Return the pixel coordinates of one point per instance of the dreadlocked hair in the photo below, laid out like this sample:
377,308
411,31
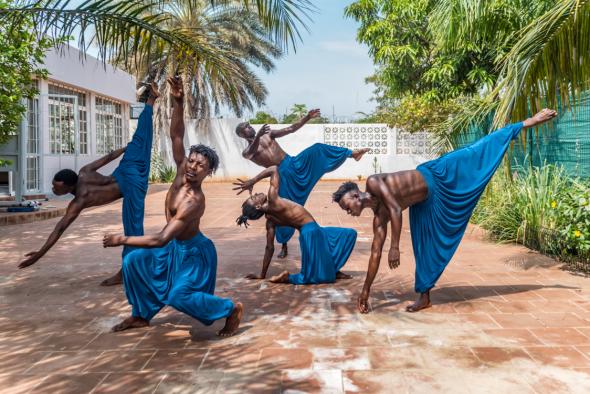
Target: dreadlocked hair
249,212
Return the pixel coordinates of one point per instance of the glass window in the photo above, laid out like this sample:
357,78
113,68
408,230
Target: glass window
109,125
32,153
62,121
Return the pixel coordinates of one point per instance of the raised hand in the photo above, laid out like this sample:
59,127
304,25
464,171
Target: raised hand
393,258
263,130
31,258
314,113
176,88
111,240
242,186
540,117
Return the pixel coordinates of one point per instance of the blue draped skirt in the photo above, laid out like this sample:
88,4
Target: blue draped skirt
180,274
299,175
455,183
324,251
133,173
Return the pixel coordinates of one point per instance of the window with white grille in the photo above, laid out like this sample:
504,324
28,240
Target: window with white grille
62,121
109,125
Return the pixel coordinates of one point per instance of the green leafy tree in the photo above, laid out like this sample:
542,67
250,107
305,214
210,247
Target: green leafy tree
21,60
263,118
432,56
547,65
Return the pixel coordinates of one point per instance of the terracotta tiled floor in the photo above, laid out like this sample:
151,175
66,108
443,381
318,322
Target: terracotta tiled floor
504,319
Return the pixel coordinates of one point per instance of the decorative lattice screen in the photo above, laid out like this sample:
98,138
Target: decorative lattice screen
355,136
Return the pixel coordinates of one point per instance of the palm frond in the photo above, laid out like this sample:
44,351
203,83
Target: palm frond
547,66
118,29
284,19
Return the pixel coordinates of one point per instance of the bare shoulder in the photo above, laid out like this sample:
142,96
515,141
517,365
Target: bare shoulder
373,184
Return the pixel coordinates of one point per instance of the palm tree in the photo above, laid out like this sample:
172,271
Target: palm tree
120,28
547,64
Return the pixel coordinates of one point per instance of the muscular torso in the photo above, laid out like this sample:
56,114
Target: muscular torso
406,188
181,196
283,212
94,189
269,152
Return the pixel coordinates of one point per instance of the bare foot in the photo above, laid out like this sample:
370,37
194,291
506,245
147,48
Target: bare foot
116,279
131,322
283,277
357,154
284,252
422,302
342,275
232,322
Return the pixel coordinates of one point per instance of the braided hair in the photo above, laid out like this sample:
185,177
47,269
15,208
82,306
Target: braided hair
249,212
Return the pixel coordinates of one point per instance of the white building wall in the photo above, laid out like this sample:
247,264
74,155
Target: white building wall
220,134
67,68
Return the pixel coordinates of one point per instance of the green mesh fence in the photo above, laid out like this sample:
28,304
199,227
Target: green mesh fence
565,141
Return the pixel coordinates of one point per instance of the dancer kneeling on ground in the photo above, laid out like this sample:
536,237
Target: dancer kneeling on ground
300,173
324,250
441,194
178,265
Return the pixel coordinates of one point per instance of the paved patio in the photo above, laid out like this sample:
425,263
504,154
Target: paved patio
504,319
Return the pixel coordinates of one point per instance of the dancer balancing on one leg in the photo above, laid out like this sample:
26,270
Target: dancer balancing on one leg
324,250
178,265
441,195
300,173
90,188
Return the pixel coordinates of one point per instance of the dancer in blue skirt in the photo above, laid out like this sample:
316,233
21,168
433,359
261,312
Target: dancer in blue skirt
324,250
177,266
441,194
300,173
90,188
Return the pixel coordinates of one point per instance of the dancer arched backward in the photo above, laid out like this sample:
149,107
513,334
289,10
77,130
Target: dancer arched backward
324,250
300,173
177,266
90,188
441,195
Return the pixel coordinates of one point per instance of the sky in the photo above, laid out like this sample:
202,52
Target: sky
327,71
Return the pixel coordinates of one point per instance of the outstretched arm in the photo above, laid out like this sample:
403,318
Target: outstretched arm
314,113
541,117
177,121
269,250
271,172
96,164
186,215
379,235
251,150
379,188
74,209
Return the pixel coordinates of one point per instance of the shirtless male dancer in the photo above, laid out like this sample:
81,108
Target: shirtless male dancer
441,195
299,174
324,250
90,188
178,265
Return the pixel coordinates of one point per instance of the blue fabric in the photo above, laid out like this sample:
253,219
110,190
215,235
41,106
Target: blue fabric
299,174
455,183
324,251
132,175
180,274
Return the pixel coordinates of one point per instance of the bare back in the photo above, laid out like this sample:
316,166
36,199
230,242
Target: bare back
406,188
94,189
283,212
269,152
